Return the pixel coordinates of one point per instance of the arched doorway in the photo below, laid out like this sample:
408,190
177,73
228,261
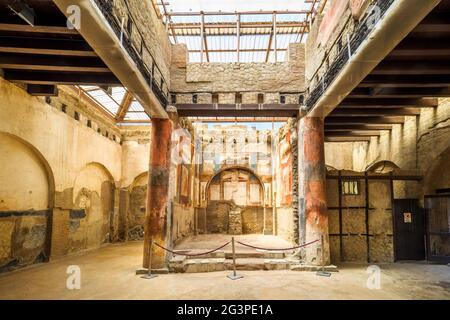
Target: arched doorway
235,202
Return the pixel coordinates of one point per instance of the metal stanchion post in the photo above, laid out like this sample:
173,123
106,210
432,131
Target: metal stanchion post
149,275
234,276
323,273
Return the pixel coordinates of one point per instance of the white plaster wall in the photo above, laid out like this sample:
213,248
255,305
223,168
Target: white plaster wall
65,143
23,179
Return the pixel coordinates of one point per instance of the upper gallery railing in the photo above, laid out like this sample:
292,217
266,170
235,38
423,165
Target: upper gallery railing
375,13
149,70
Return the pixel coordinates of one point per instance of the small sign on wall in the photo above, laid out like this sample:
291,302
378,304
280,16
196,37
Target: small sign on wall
407,217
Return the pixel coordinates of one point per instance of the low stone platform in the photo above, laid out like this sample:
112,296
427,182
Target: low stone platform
181,264
248,259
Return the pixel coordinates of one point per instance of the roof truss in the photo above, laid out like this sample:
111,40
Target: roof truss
204,26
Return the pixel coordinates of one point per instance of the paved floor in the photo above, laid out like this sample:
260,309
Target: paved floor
109,273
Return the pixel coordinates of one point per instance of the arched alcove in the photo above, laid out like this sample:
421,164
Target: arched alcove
438,174
235,202
27,192
384,166
93,198
137,206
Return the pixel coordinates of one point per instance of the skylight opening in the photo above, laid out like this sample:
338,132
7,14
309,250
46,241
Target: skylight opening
239,31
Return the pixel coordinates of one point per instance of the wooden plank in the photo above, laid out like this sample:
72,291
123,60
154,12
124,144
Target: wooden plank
370,93
352,133
52,63
365,120
389,102
62,47
339,112
42,90
408,81
39,77
356,127
232,110
347,139
36,29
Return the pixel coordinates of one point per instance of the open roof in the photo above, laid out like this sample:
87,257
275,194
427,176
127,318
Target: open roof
238,31
219,31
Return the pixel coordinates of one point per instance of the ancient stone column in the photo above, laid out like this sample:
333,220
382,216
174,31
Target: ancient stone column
314,215
158,193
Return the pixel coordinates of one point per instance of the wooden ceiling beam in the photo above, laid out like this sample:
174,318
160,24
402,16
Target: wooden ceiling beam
124,106
389,103
52,63
231,110
373,93
365,120
25,28
63,47
357,127
352,133
61,78
421,67
368,112
347,139
405,81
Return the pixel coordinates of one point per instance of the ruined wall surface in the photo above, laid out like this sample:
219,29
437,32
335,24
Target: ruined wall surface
247,78
90,218
219,218
253,220
286,186
183,221
45,154
24,203
148,27
135,159
421,143
339,155
285,223
72,180
328,35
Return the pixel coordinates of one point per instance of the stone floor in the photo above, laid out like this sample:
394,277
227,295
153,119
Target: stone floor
109,273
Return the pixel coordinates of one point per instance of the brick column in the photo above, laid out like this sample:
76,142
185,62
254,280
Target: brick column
158,193
315,216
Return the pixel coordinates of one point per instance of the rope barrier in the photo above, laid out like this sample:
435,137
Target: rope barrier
193,254
286,249
233,276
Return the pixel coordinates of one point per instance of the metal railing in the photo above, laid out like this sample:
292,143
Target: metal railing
352,45
149,70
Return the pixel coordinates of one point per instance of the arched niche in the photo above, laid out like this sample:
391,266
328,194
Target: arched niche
384,166
93,198
217,177
235,194
438,174
137,207
27,192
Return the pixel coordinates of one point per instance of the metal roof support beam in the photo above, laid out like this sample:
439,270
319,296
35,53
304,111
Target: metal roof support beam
275,36
238,33
232,13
